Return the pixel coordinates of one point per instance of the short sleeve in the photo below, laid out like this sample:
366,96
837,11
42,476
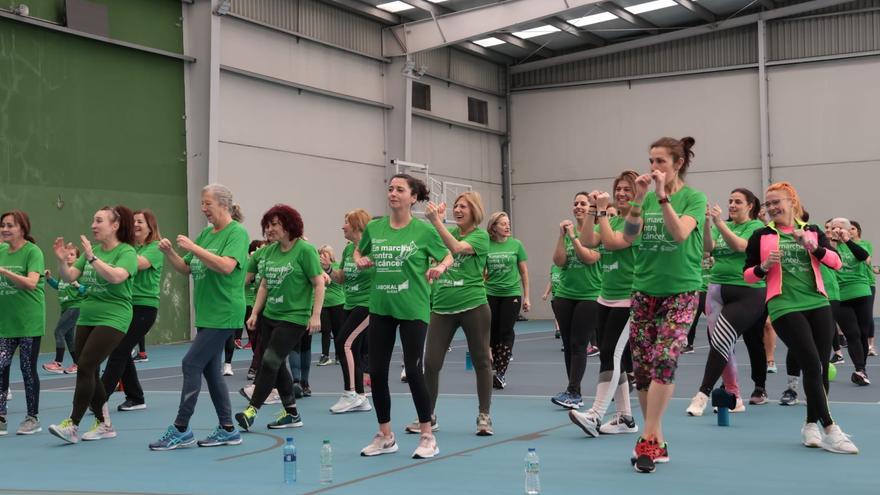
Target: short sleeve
479,241
521,254
153,255
365,247
80,263
236,246
434,245
129,261
311,262
35,262
695,207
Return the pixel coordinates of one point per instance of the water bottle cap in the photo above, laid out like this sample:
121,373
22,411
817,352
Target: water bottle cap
326,441
290,439
531,449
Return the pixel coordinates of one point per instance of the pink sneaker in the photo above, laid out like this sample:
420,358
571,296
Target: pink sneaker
71,370
54,367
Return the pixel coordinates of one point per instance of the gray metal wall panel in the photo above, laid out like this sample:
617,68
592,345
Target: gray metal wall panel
721,49
279,13
827,32
436,60
475,71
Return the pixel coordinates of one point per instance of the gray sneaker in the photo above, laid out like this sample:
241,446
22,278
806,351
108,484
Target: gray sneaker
416,427
3,430
29,426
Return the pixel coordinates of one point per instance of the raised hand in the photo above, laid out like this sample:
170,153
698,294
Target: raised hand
60,249
165,246
659,182
566,227
87,246
603,199
772,260
185,243
715,214
642,183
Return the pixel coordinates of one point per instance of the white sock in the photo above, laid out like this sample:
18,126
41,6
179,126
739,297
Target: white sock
621,397
600,404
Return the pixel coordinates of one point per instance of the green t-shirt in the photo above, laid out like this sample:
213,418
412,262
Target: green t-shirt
502,268
69,295
218,299
555,277
462,286
357,282
107,304
663,266
829,278
704,275
289,292
852,280
253,266
145,291
401,257
866,267
334,294
729,264
22,312
799,292
577,280
618,266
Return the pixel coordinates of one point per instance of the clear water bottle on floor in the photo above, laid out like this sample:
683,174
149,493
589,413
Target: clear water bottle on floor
532,469
326,463
289,462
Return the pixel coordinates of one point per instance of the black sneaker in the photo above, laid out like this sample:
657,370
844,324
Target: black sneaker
498,381
297,390
759,397
557,335
251,374
688,349
860,378
130,405
789,398
306,391
837,359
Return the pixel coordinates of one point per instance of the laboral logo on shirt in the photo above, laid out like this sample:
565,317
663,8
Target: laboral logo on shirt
391,258
393,288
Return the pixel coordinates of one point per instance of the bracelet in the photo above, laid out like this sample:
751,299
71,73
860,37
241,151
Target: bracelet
663,200
635,205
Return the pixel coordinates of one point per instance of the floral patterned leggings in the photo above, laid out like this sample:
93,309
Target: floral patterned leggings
29,348
658,331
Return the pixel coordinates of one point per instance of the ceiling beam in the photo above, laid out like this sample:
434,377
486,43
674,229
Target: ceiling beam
367,10
529,46
484,52
629,17
584,36
698,10
455,27
734,22
768,4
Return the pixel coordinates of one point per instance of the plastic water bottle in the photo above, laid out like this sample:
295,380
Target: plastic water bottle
289,462
532,469
326,463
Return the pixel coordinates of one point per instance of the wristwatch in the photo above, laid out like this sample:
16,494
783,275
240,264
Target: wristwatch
92,259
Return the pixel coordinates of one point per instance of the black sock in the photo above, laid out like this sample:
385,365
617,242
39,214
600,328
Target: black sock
59,354
180,428
291,409
228,427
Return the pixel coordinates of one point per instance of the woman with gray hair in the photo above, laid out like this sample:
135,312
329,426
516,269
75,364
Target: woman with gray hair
217,261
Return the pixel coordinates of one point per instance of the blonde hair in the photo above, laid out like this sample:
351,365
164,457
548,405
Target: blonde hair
493,222
476,204
326,248
358,219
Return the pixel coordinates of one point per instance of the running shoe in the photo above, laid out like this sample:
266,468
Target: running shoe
416,427
346,403
285,420
227,369
220,436
297,390
141,357
274,398
698,404
245,419
498,381
325,360
251,374
130,405
54,367
484,425
247,391
620,423
688,349
71,370
237,343
4,429
789,398
835,440
29,426
66,431
644,455
174,439
427,448
662,454
100,430
740,406
586,421
837,359
811,436
860,378
759,397
771,367
567,400
592,351
380,445
872,351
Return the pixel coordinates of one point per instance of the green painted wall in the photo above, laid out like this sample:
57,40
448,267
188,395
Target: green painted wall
85,124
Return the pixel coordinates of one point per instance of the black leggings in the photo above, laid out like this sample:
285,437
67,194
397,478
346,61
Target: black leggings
280,337
807,334
733,311
381,336
612,321
873,295
332,319
701,310
120,364
349,340
93,345
577,324
855,318
501,336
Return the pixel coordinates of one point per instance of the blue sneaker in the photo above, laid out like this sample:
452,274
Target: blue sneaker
560,399
574,401
221,437
173,439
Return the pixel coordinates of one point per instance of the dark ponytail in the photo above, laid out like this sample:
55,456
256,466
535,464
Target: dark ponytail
417,188
122,215
680,149
752,200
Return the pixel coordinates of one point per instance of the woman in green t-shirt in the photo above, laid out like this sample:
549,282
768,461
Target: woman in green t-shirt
22,313
550,292
574,303
216,261
401,248
333,313
666,284
870,275
507,289
787,254
145,306
734,307
69,298
351,338
290,297
251,283
459,300
107,271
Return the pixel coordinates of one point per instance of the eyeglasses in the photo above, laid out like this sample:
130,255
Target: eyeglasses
774,203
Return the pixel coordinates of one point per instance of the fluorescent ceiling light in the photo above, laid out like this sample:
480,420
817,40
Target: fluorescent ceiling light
436,1
592,19
538,31
650,6
487,42
395,6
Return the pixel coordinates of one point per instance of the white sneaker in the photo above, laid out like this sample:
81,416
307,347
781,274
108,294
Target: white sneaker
698,404
227,369
740,406
273,398
835,440
811,435
620,423
587,421
100,431
9,394
403,375
427,448
364,405
247,391
380,445
346,403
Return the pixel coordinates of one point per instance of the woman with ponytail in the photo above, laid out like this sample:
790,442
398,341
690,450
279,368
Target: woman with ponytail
107,270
